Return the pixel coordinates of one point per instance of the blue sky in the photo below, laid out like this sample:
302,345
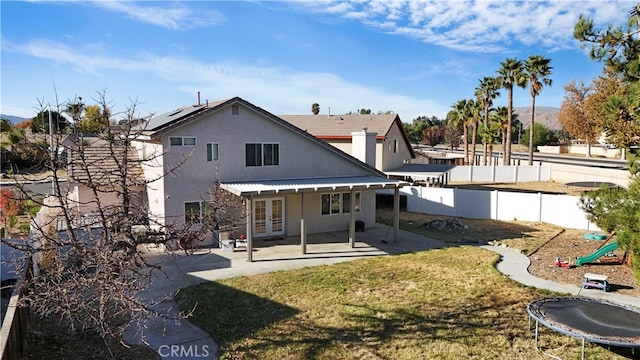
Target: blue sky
412,57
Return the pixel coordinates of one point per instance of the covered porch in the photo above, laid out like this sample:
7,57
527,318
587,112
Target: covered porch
249,190
423,174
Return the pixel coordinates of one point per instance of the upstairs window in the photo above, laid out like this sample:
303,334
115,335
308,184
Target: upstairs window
271,154
182,140
212,151
262,154
235,109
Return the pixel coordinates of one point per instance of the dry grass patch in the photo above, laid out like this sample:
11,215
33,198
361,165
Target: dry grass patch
439,304
524,235
545,187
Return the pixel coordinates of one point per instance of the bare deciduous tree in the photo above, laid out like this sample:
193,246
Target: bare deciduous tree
90,237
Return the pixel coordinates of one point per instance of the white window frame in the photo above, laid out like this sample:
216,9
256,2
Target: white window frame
337,203
213,151
182,140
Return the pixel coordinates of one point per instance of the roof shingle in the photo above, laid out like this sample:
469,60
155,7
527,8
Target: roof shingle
341,126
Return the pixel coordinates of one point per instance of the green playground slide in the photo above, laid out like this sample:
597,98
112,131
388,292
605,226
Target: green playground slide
596,255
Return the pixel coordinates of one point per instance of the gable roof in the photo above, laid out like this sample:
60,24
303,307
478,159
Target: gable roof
340,127
162,124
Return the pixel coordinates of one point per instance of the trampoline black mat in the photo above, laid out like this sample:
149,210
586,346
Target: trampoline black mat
594,320
591,184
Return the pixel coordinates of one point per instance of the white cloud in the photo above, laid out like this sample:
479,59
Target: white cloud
485,26
86,62
279,90
173,17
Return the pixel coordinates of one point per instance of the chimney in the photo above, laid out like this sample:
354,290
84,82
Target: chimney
329,112
363,146
198,98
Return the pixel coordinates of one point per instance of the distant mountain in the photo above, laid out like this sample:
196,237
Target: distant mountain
545,115
12,118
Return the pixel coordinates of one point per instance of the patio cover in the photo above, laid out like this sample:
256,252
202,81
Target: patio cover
284,186
248,189
426,172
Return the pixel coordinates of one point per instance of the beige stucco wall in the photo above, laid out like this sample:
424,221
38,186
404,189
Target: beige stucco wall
596,150
390,159
386,159
318,223
83,201
343,145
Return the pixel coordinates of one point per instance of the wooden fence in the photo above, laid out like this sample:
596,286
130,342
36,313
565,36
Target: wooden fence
15,326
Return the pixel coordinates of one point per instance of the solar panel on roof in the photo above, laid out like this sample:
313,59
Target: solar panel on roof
174,115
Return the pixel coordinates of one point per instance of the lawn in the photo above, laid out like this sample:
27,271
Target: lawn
439,304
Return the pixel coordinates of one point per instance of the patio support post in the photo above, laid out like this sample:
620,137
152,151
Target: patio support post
396,213
249,214
303,227
352,219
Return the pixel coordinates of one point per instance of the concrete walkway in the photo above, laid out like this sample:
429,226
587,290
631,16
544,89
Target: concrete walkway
183,340
515,265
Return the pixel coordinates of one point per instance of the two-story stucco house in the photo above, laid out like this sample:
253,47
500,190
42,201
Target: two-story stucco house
292,184
393,149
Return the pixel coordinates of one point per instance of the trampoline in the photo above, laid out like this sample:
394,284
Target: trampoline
591,184
596,321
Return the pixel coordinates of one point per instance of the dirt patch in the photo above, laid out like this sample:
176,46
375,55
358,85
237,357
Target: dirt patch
523,235
570,245
545,187
49,339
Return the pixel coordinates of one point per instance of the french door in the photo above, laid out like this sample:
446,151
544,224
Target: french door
268,217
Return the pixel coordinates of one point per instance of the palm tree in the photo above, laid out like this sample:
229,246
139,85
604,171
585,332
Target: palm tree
537,70
486,91
473,110
462,115
490,133
501,117
511,73
315,108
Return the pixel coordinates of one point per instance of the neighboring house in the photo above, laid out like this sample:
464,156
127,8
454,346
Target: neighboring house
290,182
393,149
96,164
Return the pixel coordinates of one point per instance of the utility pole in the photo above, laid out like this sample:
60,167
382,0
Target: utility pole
520,134
53,168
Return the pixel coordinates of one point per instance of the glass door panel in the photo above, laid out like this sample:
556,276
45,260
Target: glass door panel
260,213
